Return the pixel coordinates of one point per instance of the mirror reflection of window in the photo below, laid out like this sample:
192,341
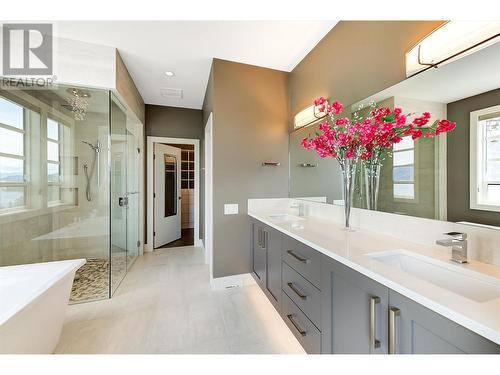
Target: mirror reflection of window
485,156
403,171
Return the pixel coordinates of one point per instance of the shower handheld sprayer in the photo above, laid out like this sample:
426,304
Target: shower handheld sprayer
89,173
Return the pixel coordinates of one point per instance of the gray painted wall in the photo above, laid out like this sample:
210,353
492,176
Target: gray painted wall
458,148
162,121
249,106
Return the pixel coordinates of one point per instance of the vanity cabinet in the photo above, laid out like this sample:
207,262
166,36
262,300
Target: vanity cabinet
353,311
414,329
259,253
266,261
333,309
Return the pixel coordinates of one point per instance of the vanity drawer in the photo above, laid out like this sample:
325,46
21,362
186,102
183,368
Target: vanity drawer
305,295
302,259
302,328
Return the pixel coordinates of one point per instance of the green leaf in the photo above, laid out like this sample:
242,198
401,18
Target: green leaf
389,118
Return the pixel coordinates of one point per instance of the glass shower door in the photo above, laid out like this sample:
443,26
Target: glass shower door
119,196
133,167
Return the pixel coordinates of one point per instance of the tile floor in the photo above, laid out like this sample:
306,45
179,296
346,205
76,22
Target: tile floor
165,305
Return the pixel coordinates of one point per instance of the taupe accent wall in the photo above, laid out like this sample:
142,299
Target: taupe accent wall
250,111
355,60
458,148
162,121
126,87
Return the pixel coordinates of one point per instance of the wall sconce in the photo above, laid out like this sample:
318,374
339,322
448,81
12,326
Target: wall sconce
307,116
449,42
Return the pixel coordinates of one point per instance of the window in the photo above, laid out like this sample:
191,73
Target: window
403,170
54,178
13,181
485,159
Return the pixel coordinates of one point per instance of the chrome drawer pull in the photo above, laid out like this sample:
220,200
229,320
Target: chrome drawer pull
374,301
294,323
297,292
393,313
299,258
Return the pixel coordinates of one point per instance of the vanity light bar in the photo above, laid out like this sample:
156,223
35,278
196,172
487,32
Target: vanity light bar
307,116
451,41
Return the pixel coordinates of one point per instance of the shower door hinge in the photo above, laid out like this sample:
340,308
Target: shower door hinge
138,150
138,243
154,156
154,234
154,195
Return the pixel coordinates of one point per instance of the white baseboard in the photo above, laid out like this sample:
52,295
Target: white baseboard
198,243
232,281
148,248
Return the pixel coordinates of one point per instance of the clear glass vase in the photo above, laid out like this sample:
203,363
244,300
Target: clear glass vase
372,181
348,167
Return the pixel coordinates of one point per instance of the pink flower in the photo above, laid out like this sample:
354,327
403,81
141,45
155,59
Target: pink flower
337,107
349,153
416,134
422,120
305,143
445,126
324,127
320,101
342,121
400,121
366,155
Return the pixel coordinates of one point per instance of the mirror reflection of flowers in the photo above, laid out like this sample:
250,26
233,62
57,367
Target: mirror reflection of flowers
370,137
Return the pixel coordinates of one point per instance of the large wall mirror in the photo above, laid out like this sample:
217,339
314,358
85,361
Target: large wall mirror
454,177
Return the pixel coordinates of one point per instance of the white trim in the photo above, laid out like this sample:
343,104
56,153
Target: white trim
208,232
473,160
150,188
232,281
441,187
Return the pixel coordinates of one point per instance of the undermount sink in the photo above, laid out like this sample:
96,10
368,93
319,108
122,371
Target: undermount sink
286,217
452,277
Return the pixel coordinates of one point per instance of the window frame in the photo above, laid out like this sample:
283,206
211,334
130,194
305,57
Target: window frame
26,149
36,175
415,177
478,160
59,162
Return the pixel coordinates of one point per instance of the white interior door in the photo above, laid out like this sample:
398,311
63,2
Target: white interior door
167,194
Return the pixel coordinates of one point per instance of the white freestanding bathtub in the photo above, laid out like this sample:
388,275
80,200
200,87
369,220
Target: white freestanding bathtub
33,300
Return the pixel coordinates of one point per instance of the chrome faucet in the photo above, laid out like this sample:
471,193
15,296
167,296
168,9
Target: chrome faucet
301,207
458,243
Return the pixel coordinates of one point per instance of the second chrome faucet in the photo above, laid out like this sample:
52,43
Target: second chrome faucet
458,243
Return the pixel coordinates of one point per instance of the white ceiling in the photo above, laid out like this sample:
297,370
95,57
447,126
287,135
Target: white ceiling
149,48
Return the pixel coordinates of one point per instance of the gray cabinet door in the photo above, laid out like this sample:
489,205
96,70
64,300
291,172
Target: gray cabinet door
259,253
353,311
273,276
418,330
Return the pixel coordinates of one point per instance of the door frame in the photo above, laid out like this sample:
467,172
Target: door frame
150,185
208,198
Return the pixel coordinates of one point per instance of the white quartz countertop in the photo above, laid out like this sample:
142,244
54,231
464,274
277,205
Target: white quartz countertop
351,247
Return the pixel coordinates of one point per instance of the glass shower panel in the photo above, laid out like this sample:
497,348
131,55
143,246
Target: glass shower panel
133,169
119,196
54,182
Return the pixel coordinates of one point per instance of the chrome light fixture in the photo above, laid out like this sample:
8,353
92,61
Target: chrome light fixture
307,116
449,42
78,102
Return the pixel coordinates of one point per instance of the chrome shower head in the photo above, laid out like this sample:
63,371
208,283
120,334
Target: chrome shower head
95,148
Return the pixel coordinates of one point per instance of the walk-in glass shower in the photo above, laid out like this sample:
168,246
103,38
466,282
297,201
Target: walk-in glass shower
69,183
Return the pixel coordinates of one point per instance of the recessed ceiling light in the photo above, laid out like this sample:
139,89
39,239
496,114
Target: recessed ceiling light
168,73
